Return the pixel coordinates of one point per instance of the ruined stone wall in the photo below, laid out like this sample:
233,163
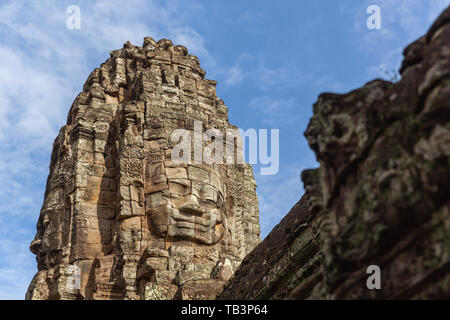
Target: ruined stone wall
136,224
380,196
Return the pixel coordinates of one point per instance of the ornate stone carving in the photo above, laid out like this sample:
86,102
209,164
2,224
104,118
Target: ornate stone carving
137,224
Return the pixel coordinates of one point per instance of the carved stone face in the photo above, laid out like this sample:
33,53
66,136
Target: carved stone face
190,206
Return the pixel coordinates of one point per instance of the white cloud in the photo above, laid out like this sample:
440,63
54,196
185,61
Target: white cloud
34,99
274,111
266,78
284,76
402,22
15,274
235,76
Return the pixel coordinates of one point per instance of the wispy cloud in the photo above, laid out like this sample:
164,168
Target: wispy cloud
402,22
273,110
281,77
15,273
234,75
256,69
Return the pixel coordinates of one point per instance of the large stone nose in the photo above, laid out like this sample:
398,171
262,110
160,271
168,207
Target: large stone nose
191,206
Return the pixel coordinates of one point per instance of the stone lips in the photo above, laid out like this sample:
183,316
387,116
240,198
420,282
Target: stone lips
380,196
136,224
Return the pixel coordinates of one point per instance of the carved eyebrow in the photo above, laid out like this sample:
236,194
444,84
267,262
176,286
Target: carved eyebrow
208,200
179,182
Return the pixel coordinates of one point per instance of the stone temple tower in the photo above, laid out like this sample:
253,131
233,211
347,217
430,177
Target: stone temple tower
120,218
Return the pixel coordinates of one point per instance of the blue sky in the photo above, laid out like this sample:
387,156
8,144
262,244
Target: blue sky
271,60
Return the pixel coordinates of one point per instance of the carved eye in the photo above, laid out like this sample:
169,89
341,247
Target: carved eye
209,201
